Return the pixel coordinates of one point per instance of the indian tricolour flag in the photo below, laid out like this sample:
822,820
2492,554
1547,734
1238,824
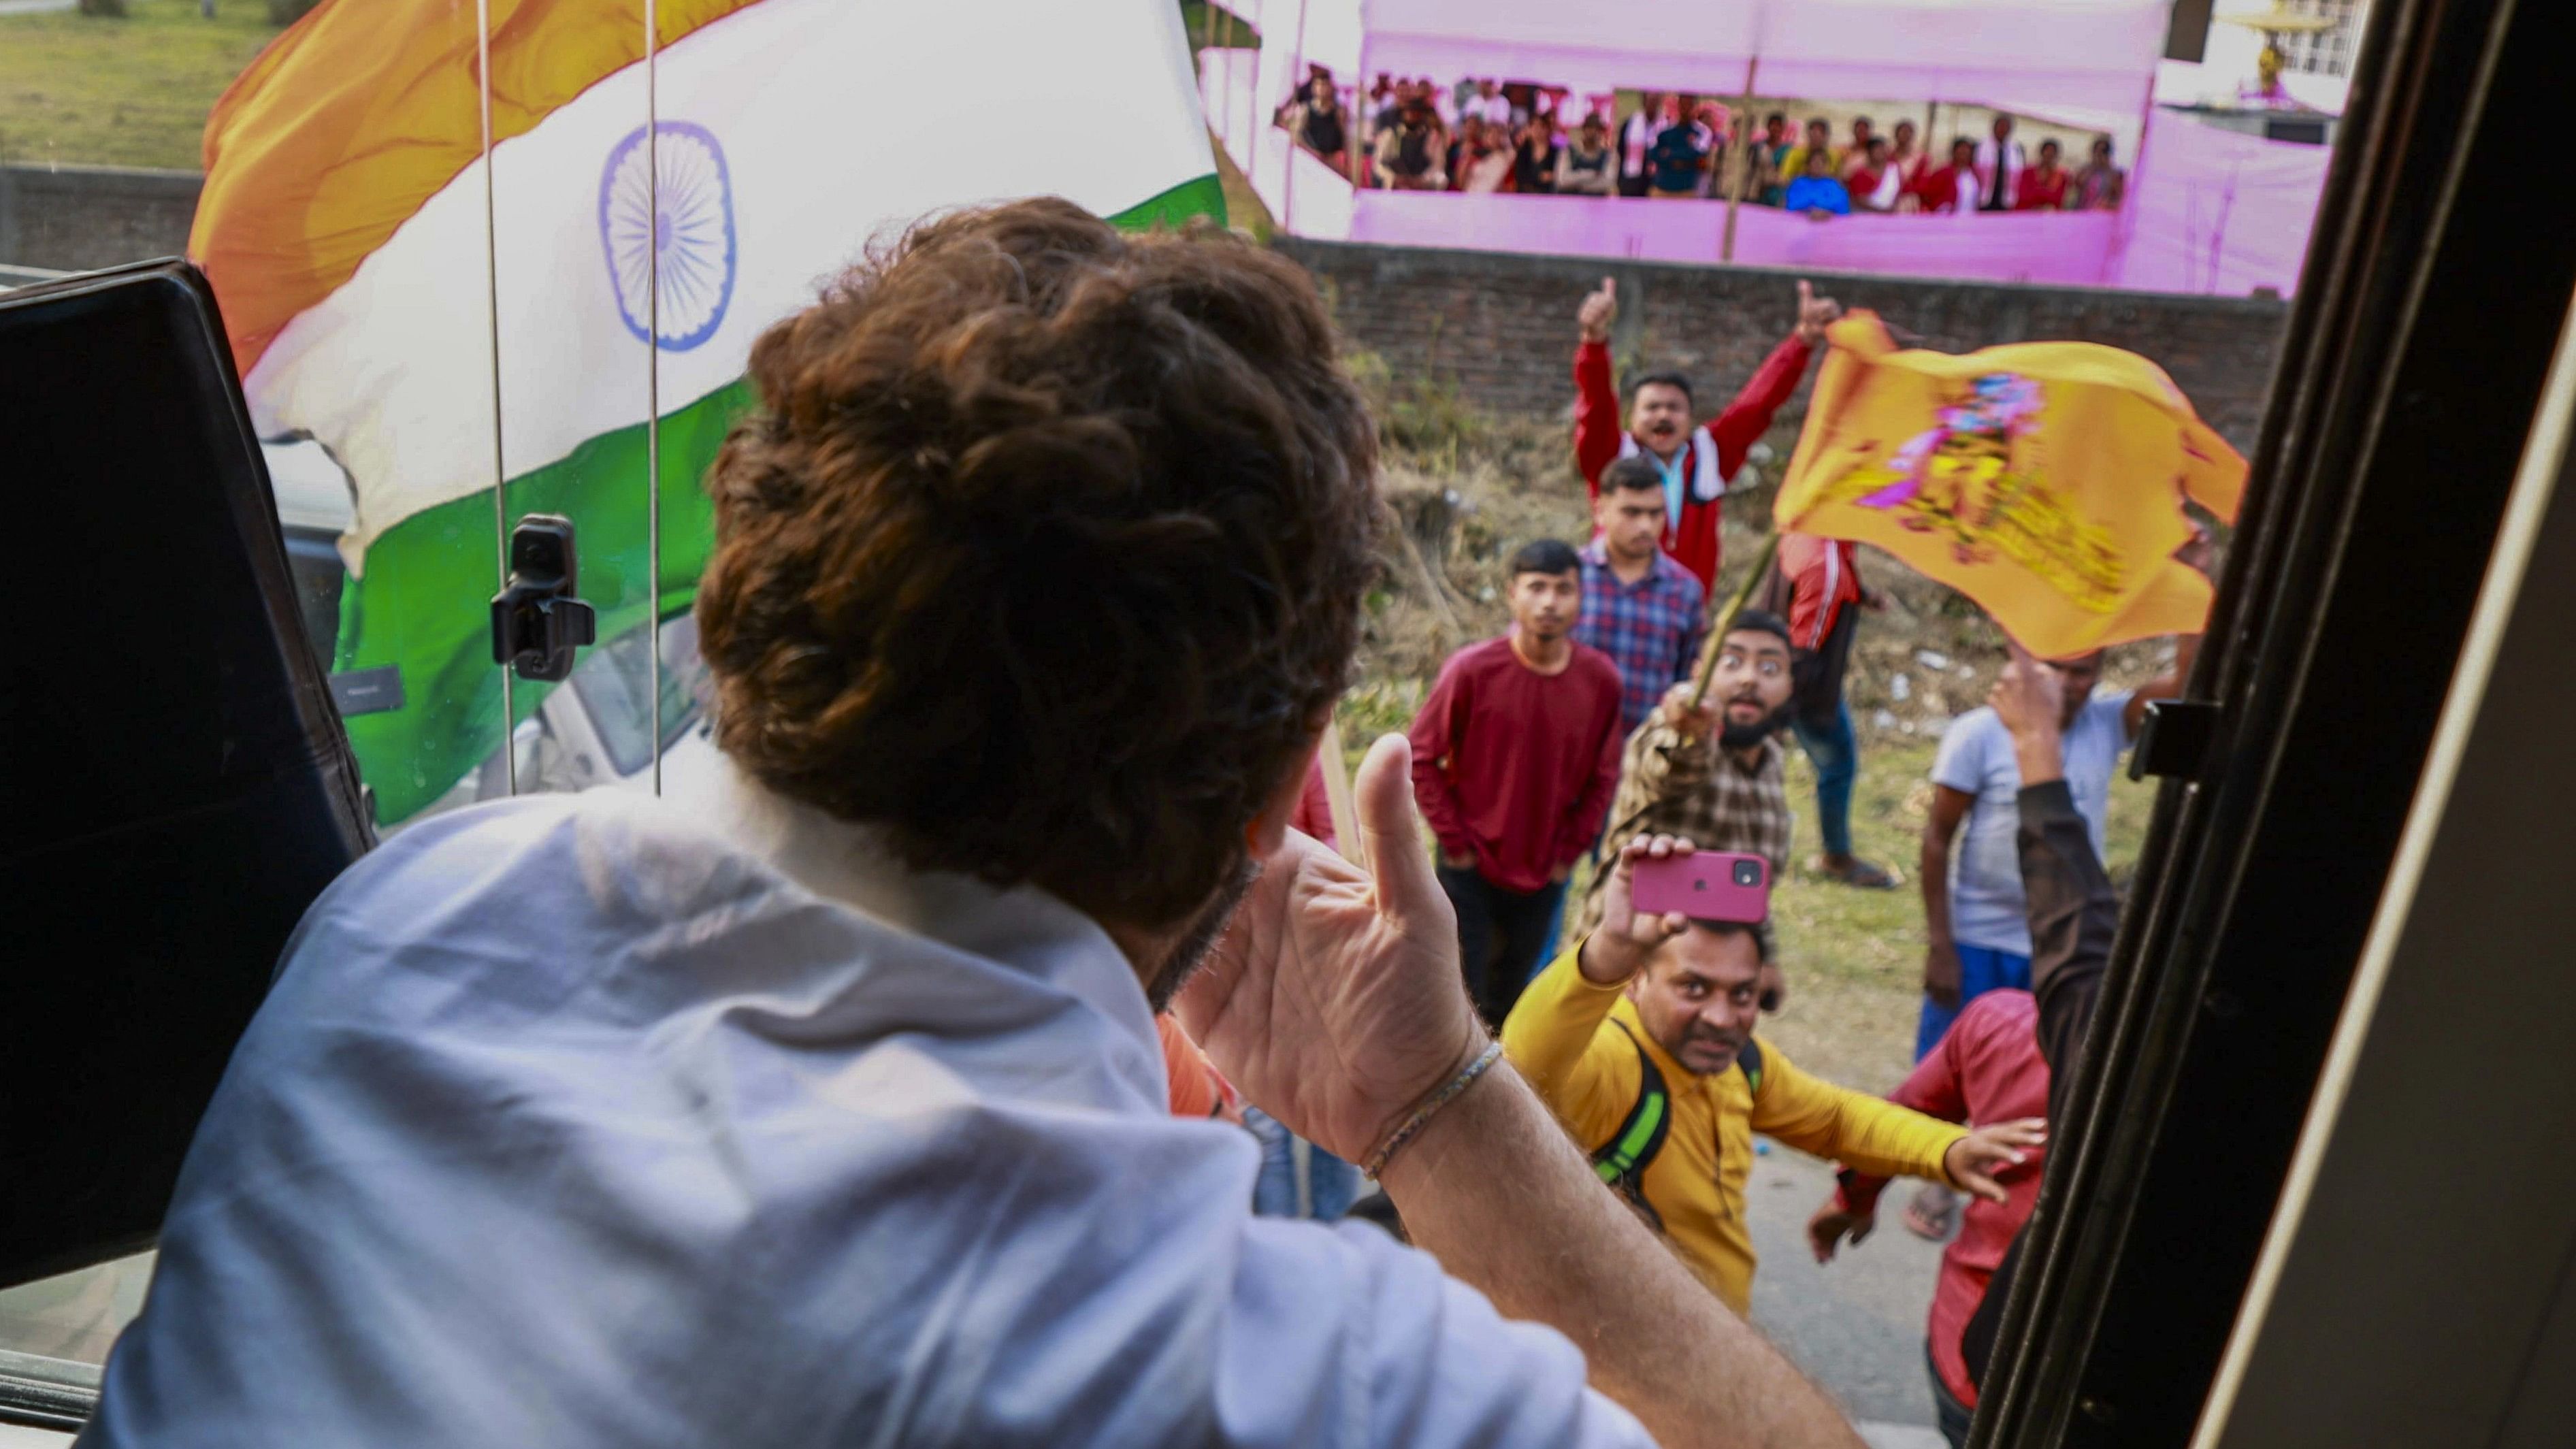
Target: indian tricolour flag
369,254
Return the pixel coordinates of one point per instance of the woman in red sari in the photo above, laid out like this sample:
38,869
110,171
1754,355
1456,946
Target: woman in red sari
2043,186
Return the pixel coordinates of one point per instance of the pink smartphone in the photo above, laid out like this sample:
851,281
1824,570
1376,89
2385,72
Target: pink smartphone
1706,885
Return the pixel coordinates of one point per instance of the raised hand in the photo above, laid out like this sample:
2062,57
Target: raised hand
1334,1000
2196,551
2029,696
1688,720
1626,936
1599,310
1815,313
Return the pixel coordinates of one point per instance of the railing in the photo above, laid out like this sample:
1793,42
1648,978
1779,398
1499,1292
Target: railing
2062,247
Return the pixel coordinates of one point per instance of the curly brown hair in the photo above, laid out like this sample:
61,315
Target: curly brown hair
1045,553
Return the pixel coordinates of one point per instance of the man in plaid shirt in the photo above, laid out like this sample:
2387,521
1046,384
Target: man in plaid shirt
1640,607
1713,774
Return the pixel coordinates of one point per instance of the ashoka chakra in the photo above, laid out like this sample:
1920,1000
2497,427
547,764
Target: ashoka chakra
675,247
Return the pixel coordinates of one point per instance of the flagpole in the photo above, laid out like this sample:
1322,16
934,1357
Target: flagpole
1734,606
653,385
1735,193
492,321
1360,125
1305,97
1255,131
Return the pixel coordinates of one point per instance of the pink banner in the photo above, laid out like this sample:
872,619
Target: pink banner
2213,210
2062,247
2007,53
2208,210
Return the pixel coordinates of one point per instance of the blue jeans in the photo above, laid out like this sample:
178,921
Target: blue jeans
1837,759
1981,969
1330,1183
1502,936
1953,1417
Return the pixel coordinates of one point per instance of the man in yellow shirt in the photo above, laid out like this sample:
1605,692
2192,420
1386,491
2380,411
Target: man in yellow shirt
1820,137
1641,1039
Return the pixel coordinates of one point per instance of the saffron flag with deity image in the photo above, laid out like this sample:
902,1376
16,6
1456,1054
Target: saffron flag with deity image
2044,480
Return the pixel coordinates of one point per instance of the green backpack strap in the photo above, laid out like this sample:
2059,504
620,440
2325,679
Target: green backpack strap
1622,1161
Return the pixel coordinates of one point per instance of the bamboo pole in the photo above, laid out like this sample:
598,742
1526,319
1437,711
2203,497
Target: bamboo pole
1305,98
1208,88
1743,150
1734,606
1358,127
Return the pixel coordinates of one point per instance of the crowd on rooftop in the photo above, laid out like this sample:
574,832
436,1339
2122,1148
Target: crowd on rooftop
1483,135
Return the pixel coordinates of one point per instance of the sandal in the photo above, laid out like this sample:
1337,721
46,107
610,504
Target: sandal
1931,1213
1860,874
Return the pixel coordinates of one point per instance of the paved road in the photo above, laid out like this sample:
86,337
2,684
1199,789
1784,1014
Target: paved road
33,7
1855,1324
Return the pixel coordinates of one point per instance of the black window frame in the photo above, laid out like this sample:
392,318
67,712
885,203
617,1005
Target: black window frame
2437,280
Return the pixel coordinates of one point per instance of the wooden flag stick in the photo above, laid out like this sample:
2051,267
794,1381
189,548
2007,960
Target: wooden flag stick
1337,797
1717,631
1740,160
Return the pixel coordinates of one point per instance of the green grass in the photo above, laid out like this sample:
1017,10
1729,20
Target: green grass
80,90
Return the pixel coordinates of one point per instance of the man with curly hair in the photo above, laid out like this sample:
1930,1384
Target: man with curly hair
826,1105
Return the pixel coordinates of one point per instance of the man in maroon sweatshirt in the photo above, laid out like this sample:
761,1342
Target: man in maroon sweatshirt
1695,461
1514,758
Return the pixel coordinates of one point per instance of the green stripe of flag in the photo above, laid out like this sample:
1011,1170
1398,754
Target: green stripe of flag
425,600
423,603
1204,196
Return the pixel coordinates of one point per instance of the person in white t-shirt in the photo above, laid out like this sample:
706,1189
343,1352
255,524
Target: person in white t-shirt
1975,915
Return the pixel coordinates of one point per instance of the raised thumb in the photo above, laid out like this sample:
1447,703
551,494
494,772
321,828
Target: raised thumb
1382,795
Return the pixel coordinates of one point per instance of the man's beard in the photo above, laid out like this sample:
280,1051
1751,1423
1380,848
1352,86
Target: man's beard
1190,952
1734,736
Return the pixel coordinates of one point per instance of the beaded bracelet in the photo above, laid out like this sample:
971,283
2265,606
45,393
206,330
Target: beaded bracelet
1376,1165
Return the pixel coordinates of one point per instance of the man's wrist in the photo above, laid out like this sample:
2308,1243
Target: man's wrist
1461,1120
2040,756
1409,1129
1605,960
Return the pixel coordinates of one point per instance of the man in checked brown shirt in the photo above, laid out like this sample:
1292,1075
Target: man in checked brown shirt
1712,775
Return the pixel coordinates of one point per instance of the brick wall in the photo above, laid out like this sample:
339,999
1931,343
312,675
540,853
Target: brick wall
76,218
1501,327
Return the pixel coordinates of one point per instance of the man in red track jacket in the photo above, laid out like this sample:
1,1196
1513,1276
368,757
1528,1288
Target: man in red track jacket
1696,461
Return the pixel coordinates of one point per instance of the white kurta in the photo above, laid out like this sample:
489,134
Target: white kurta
601,1120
